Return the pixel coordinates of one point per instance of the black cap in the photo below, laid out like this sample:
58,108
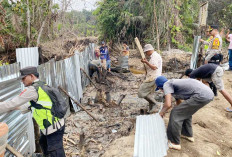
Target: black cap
188,72
214,26
211,27
27,71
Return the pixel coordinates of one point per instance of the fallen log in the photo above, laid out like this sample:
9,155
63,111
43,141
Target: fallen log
82,107
89,78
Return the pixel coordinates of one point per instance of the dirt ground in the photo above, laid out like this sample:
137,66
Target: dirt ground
113,135
212,132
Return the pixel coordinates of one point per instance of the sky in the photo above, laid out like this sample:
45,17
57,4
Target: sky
80,4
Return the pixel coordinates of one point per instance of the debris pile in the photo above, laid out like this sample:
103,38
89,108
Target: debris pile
86,137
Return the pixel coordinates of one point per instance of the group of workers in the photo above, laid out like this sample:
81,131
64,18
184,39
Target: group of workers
191,94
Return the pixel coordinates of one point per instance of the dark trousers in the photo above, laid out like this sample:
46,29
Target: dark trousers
230,58
52,145
180,120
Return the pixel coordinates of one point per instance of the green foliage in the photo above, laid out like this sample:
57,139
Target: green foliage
82,23
59,26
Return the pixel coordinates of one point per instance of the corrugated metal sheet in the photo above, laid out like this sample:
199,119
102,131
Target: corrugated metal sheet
196,45
123,62
8,72
19,137
65,73
27,56
47,72
71,79
78,74
150,136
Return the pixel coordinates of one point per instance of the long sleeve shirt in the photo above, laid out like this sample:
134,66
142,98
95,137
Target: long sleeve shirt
215,47
21,102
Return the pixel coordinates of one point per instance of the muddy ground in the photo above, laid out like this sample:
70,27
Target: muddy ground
113,135
211,128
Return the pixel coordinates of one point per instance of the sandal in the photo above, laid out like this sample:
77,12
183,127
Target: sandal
228,109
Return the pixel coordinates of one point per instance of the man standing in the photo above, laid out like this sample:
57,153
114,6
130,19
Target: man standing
194,94
52,128
108,61
103,54
229,39
211,73
154,69
213,53
206,43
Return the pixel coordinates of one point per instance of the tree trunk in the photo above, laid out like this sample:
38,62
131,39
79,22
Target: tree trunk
41,31
28,25
156,25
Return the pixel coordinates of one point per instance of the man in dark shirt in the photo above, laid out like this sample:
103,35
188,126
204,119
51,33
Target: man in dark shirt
211,73
194,94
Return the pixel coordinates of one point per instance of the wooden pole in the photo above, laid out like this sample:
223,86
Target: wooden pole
137,42
14,151
66,93
89,78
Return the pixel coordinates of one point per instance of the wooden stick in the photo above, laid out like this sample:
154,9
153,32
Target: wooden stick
78,103
14,151
89,78
137,42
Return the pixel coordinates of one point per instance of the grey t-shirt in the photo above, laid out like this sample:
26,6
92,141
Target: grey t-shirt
186,88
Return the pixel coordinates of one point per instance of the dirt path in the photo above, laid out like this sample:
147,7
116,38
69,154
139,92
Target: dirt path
212,132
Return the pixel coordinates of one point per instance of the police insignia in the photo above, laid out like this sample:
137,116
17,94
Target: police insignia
23,92
216,44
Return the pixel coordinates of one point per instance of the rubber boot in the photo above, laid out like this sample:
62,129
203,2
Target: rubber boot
151,100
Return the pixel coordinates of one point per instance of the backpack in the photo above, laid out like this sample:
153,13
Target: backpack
59,106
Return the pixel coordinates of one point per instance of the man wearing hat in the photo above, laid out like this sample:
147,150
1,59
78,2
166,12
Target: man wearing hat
191,95
206,43
154,69
51,138
211,73
213,54
229,39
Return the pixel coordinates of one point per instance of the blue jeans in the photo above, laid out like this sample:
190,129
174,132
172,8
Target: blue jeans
108,64
230,58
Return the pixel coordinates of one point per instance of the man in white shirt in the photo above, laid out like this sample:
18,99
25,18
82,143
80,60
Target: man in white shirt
154,69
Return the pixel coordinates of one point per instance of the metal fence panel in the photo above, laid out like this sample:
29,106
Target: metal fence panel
150,136
65,73
78,75
196,45
19,124
8,72
71,79
47,72
27,56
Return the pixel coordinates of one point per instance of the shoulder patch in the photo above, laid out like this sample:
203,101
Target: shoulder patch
23,92
216,44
